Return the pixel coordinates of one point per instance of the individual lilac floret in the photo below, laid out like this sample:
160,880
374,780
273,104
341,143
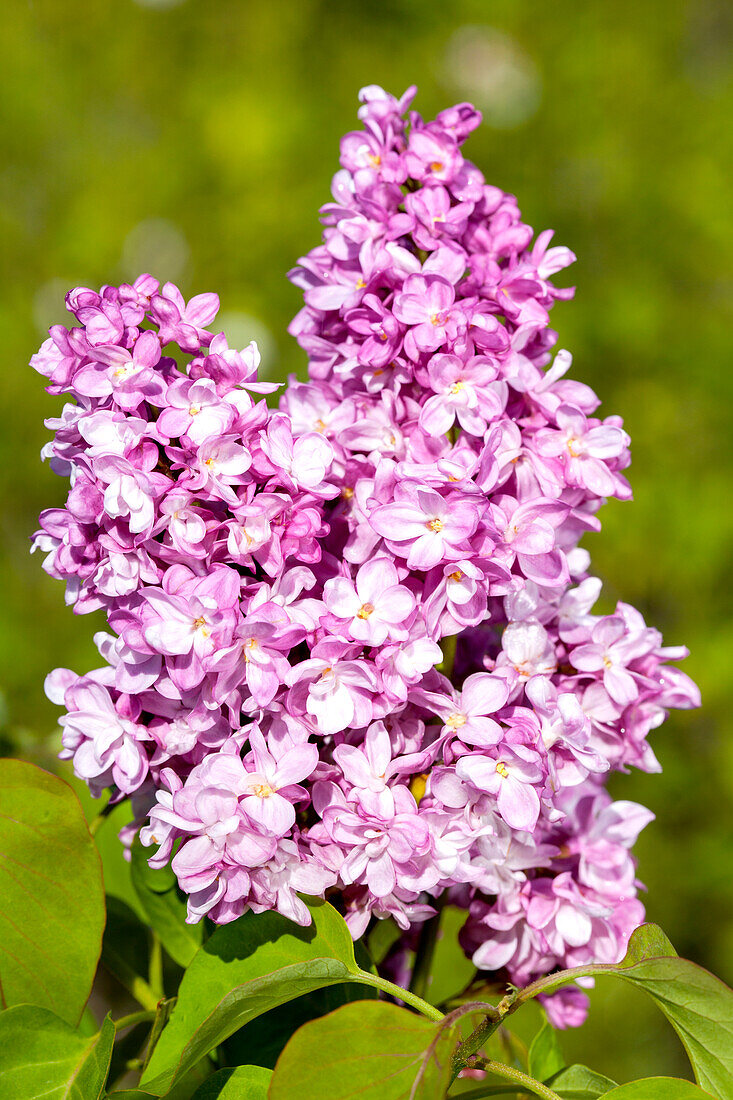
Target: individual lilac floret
375,604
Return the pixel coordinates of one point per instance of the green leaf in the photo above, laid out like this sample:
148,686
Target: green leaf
262,1040
647,942
697,1004
580,1083
451,970
51,897
87,1026
184,1088
165,908
659,1088
240,1083
244,969
700,1008
545,1056
41,1055
369,1051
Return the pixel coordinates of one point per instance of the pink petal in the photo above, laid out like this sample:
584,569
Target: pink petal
518,804
483,694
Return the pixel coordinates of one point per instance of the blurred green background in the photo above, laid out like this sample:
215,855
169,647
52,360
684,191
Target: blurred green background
196,140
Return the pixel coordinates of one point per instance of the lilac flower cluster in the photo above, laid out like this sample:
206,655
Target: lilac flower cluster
353,648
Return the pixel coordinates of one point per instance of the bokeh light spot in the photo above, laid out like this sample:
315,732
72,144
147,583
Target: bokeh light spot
492,69
156,246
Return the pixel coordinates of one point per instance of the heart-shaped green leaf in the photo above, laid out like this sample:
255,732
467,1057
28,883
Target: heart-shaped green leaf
700,1008
659,1088
580,1083
51,896
545,1056
244,969
697,1004
165,908
366,1051
240,1083
41,1055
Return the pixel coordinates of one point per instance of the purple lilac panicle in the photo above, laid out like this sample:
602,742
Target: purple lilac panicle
281,586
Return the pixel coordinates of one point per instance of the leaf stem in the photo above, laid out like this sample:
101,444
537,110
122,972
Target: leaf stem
401,994
521,1081
134,1018
161,1019
142,993
473,1043
132,982
554,981
155,967
488,1090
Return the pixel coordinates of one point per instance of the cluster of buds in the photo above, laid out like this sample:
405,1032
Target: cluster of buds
353,647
